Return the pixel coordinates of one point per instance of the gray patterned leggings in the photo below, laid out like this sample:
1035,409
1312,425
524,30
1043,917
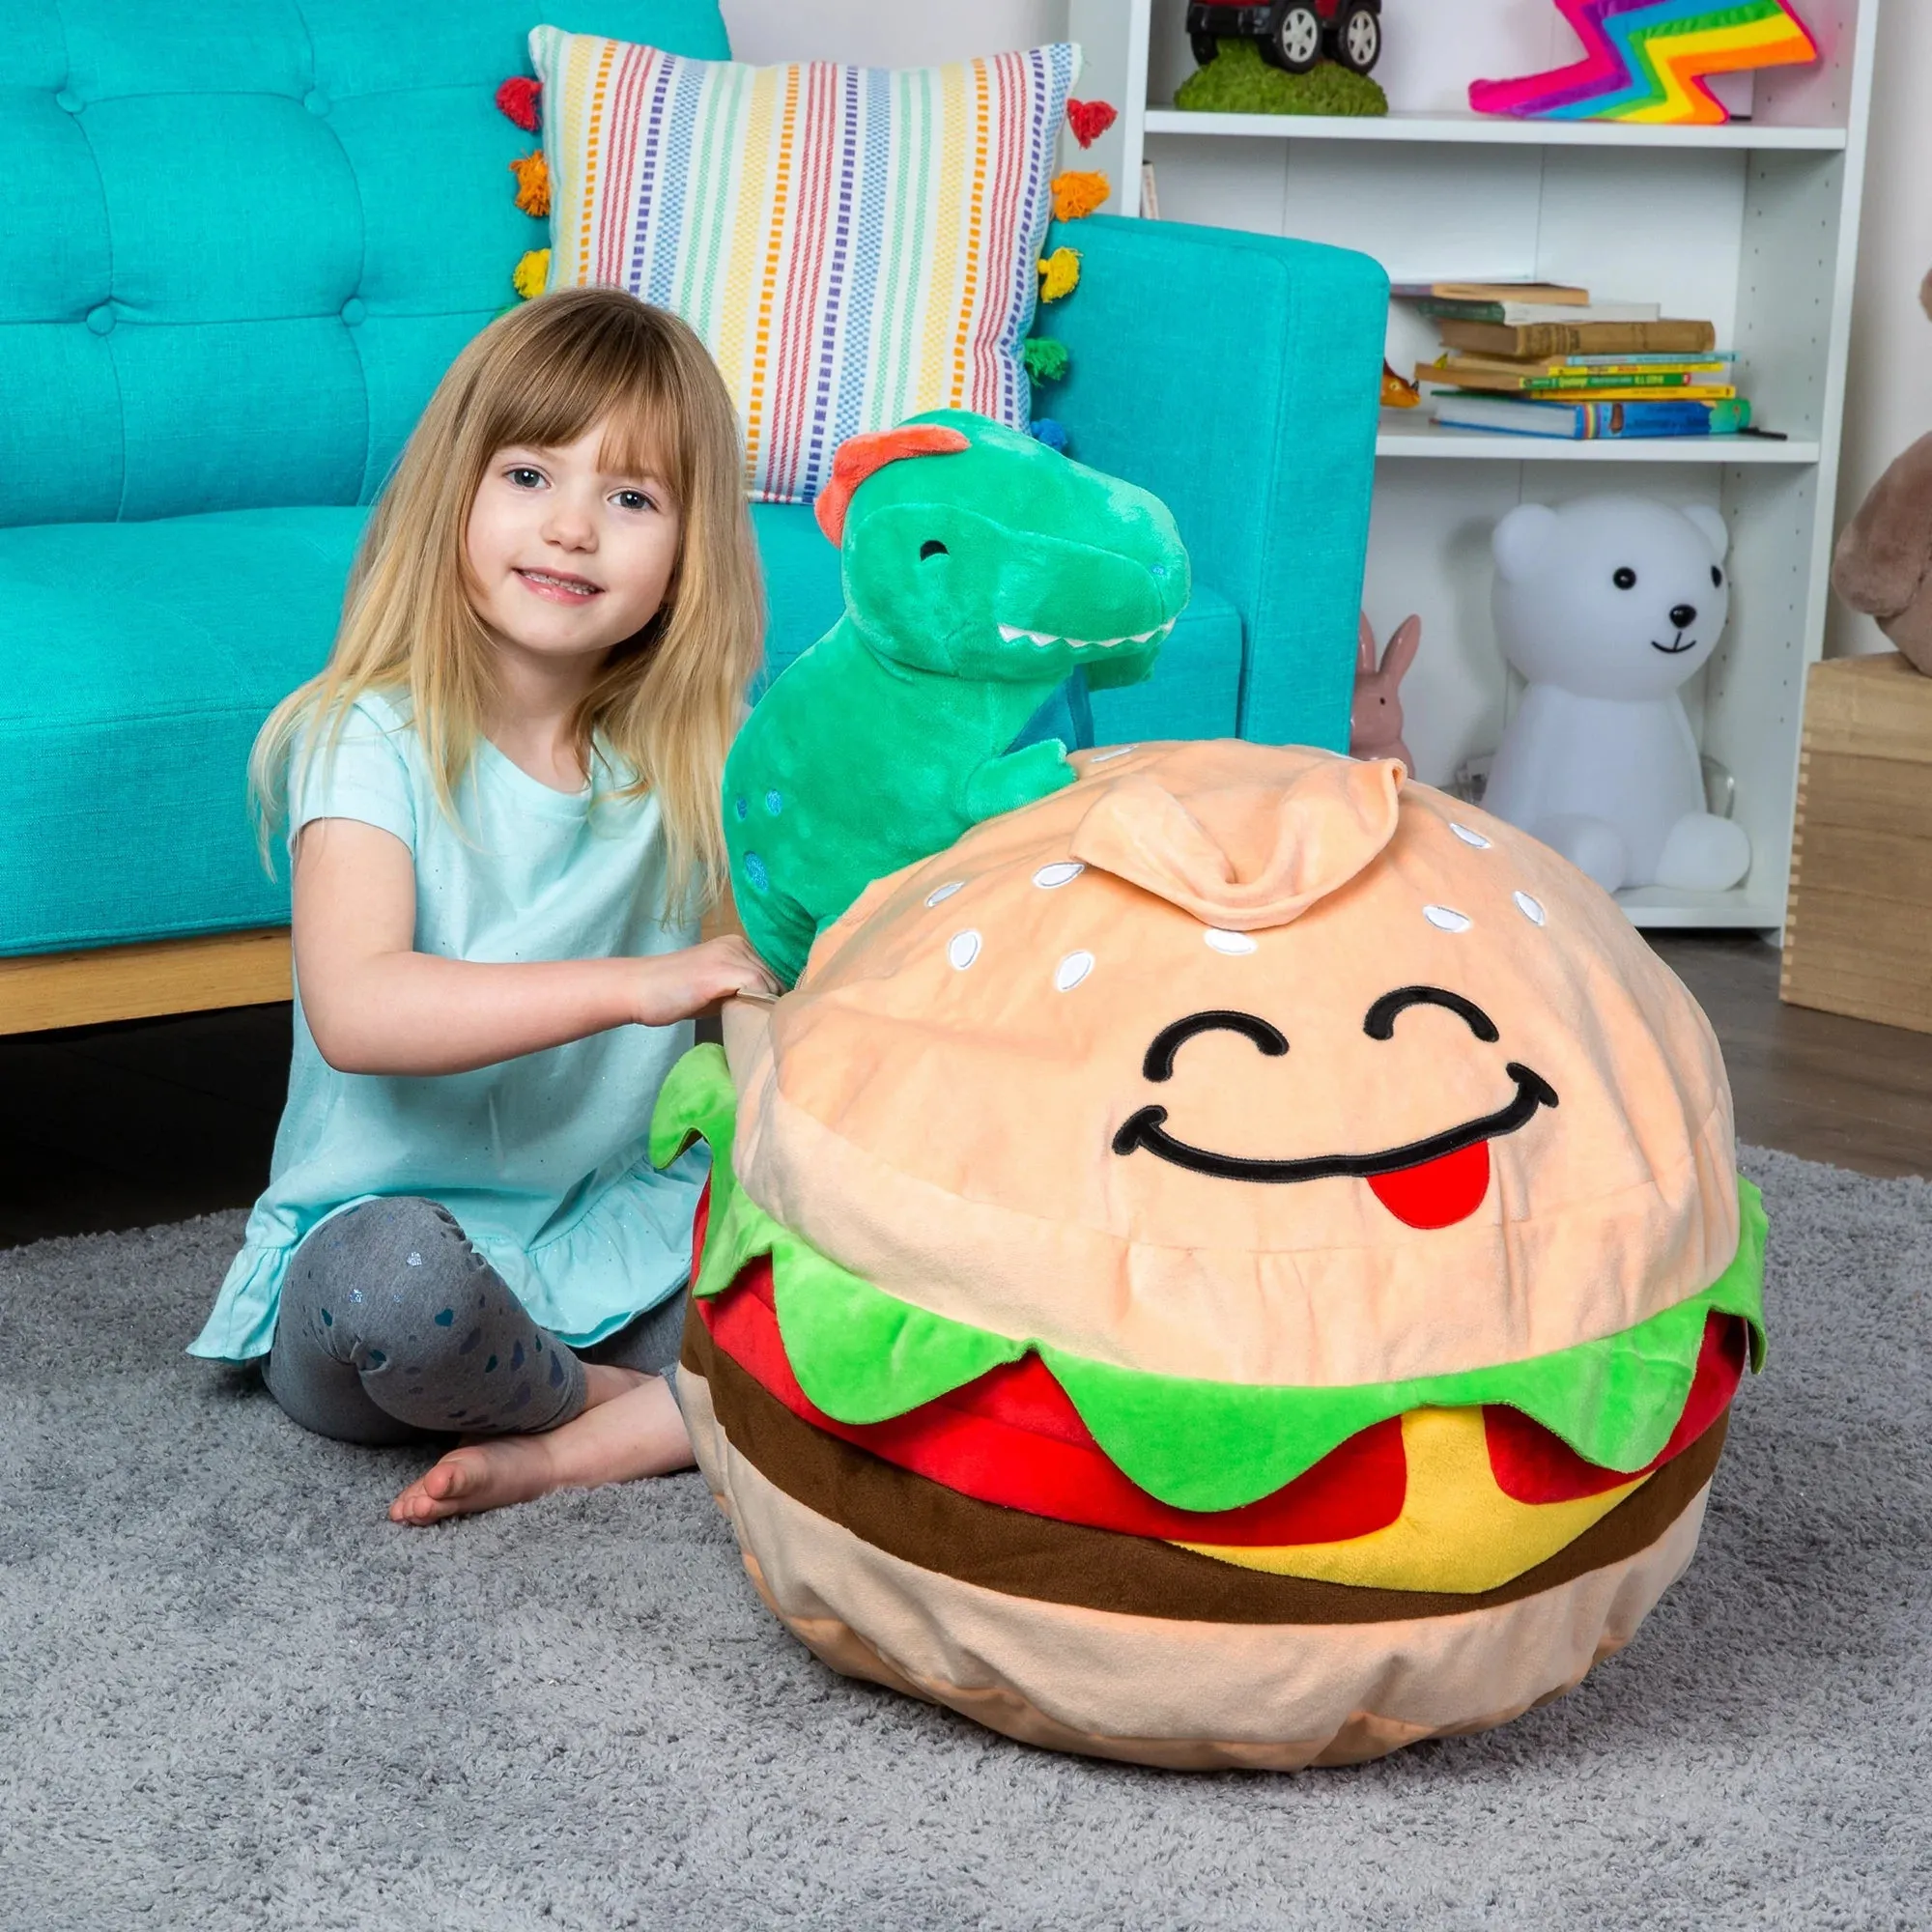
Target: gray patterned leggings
393,1328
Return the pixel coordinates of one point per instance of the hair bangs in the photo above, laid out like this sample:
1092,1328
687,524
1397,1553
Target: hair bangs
613,372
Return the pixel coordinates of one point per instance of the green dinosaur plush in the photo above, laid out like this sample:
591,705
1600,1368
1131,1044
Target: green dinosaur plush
981,569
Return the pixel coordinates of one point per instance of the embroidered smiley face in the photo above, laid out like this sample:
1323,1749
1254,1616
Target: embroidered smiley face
1431,1182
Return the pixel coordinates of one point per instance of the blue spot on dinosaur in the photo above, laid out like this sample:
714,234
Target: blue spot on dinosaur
446,1317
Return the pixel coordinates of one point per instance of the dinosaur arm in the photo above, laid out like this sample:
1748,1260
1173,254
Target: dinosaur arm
1019,778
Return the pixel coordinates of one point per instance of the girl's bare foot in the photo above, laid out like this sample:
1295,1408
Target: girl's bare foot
631,1428
479,1476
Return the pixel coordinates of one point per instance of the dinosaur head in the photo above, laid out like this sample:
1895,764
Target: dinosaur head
974,550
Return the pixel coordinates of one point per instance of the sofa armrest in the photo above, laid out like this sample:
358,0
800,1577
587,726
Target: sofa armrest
1238,377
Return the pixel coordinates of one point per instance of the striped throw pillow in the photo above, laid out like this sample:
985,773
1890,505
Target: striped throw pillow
853,245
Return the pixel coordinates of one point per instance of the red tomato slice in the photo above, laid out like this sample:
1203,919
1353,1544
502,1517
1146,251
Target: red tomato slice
1535,1466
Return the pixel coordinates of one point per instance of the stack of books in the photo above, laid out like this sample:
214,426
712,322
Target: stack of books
1535,358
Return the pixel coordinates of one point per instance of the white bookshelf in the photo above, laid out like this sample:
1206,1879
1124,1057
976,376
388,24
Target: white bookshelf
1754,225
1480,130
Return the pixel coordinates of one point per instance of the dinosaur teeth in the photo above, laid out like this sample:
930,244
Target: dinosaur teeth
1011,633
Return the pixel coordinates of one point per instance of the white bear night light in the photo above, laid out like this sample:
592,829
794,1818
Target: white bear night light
1607,606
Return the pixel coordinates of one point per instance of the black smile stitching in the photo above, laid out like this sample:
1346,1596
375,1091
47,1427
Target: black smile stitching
1170,1040
1379,1021
1147,1129
1676,649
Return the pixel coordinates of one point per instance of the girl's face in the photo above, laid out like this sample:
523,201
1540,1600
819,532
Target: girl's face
569,559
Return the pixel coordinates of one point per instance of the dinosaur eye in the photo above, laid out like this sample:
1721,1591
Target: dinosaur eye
933,547
1625,578
1716,577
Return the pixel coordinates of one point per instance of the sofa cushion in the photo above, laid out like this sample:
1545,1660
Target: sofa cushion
853,245
254,238
139,660
137,663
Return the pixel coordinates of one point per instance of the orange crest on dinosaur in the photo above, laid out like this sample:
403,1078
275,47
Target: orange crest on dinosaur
859,456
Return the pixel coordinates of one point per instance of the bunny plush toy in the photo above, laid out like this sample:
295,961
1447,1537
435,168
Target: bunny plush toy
1375,727
1607,606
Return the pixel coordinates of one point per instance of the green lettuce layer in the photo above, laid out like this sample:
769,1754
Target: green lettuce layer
862,1355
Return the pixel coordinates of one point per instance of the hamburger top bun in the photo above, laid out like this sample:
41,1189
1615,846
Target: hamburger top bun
954,1103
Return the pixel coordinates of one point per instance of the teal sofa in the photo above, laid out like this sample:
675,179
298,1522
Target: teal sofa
257,233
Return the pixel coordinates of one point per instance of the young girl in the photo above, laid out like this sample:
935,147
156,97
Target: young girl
502,803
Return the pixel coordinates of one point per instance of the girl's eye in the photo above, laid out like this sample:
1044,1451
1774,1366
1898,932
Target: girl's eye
633,499
523,476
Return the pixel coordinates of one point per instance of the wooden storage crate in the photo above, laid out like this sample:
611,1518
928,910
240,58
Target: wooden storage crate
1857,936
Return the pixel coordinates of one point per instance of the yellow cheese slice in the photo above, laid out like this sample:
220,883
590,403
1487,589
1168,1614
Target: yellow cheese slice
1456,1530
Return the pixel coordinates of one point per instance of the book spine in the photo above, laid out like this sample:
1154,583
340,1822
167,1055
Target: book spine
1704,387
1632,420
1602,378
1618,392
1665,361
1545,341
1547,419
1590,422
1438,310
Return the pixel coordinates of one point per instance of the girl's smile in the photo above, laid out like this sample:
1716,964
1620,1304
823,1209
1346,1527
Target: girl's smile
559,586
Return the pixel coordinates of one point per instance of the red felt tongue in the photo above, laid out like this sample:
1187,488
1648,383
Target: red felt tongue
1438,1193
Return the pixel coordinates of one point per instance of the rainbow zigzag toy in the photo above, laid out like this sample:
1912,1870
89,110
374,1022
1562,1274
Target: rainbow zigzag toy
1646,59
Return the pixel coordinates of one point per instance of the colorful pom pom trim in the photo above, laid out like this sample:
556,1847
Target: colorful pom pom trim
1054,435
533,175
1076,195
520,98
531,273
1046,360
1090,120
1059,275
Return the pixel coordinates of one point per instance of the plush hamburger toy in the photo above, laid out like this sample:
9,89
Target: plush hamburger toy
1239,1262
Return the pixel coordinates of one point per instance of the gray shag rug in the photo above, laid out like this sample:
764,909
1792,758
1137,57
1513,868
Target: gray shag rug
232,1694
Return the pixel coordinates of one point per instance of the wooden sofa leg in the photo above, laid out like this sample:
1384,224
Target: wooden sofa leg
128,983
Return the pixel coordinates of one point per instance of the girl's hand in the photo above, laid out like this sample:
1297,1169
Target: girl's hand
681,985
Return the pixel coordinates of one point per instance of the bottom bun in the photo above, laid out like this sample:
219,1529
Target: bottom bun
1179,1692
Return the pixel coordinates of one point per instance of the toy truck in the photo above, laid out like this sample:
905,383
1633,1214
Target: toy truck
1293,34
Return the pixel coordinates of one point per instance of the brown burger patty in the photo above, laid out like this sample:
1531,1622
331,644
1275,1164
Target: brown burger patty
1024,1555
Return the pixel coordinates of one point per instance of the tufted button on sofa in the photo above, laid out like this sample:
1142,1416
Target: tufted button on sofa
250,236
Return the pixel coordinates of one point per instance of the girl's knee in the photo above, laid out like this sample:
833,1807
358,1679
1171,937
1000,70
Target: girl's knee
387,1274
393,1290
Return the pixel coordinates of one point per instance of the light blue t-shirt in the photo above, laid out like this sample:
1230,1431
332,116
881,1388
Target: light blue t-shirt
541,1158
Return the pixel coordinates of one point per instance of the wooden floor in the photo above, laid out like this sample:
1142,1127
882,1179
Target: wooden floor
1844,1091
122,1127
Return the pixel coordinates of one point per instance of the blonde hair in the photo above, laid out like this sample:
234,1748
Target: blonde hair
663,712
